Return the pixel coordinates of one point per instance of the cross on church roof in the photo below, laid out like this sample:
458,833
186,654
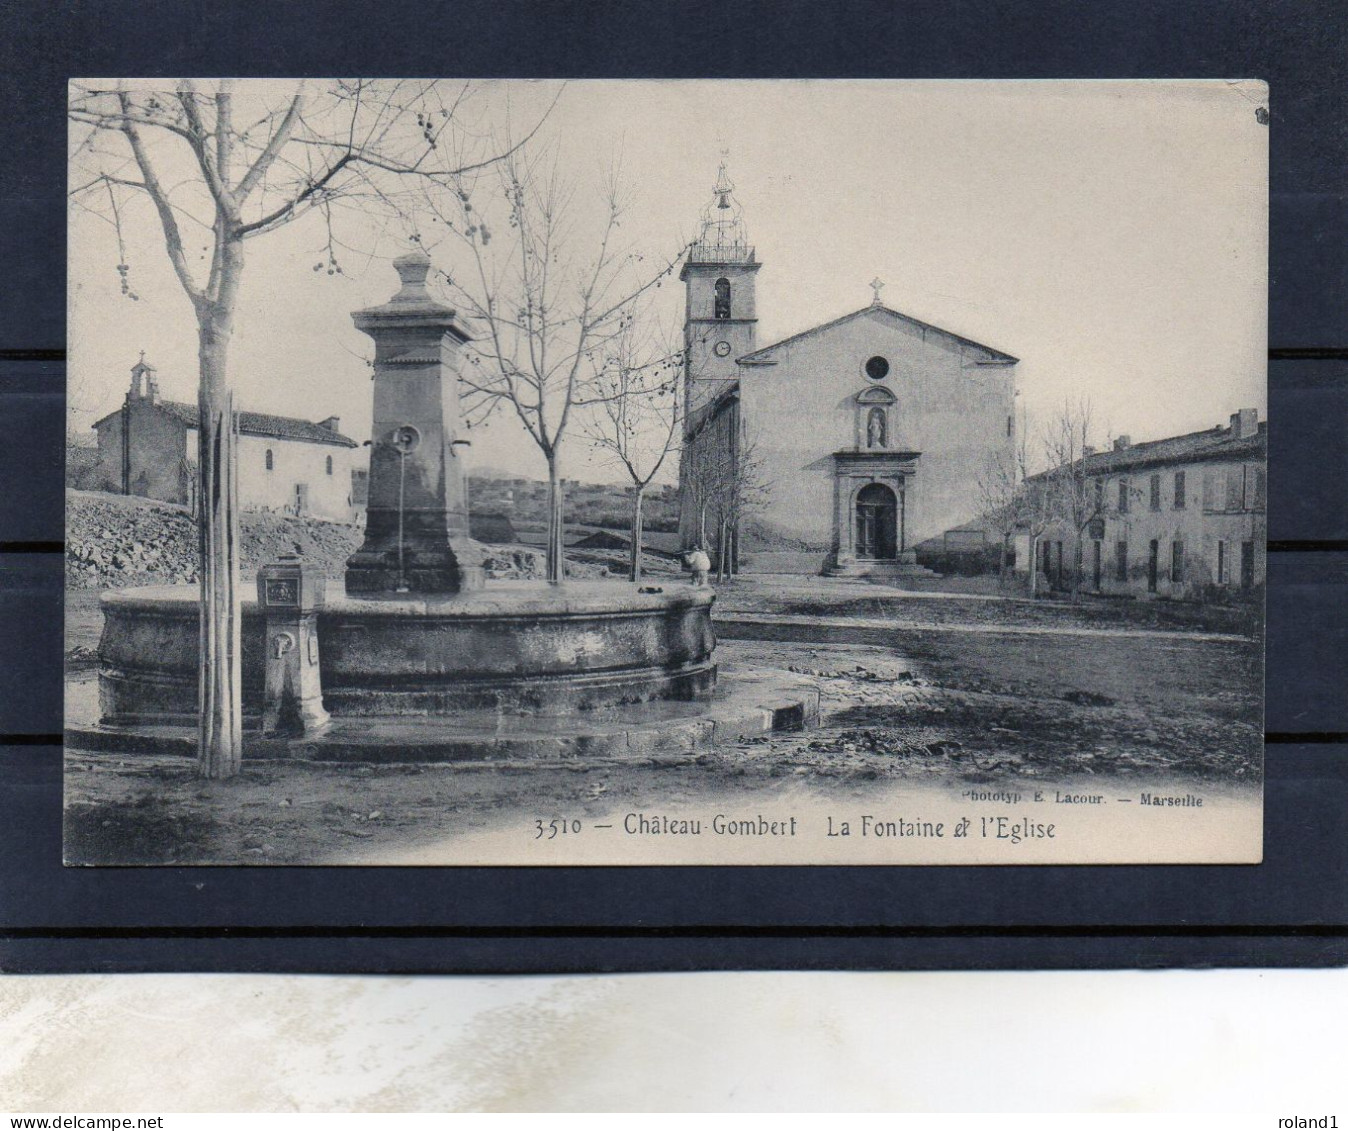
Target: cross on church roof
877,287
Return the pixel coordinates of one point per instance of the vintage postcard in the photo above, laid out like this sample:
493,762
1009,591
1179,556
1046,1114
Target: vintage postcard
666,472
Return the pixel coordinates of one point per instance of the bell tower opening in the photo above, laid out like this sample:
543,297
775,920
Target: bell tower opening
722,298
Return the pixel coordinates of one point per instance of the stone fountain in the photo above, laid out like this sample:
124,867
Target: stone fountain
416,654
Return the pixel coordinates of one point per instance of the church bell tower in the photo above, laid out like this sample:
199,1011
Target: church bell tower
718,328
718,277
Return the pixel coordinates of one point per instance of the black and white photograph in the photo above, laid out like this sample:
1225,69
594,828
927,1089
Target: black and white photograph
697,472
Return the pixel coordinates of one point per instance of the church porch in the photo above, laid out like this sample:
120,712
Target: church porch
872,497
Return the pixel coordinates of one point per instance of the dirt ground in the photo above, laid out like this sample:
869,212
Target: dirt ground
933,705
959,601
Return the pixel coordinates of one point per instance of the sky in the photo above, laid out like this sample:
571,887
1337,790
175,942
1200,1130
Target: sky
1111,235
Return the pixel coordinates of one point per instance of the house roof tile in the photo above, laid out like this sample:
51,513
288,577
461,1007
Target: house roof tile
1193,447
259,424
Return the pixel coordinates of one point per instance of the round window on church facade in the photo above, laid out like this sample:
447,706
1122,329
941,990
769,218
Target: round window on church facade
877,368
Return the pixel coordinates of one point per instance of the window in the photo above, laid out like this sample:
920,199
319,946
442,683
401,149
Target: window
1179,491
1099,496
1155,492
1121,561
329,465
270,461
1123,496
1235,488
723,298
1176,562
1209,491
1223,568
1260,489
877,368
1010,425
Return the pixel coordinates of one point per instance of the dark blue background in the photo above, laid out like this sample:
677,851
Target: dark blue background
1289,910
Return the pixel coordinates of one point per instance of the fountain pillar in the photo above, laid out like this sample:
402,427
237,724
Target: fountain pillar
416,529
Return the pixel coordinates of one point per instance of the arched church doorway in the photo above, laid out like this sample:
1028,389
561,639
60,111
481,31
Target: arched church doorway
878,518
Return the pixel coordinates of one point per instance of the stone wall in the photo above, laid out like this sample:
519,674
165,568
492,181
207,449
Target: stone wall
329,495
157,450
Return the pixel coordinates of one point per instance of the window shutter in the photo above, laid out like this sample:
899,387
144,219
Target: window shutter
1235,482
1209,491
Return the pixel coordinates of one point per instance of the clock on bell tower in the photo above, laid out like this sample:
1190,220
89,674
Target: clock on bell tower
718,277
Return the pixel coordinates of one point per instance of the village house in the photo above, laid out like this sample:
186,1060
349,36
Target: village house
1183,517
149,447
858,438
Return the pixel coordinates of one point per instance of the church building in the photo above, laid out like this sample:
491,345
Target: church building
840,448
148,447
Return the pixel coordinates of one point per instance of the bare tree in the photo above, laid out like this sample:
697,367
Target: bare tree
1035,504
1072,493
999,490
639,416
224,166
550,290
729,484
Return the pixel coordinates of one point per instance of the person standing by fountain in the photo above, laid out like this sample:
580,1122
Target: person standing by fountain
697,560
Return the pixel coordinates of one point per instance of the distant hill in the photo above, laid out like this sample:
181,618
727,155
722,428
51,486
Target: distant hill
606,505
117,540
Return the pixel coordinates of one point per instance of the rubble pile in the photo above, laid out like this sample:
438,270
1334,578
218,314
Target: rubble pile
118,540
114,541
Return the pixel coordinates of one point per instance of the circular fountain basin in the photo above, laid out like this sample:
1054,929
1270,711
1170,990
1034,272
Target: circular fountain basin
521,647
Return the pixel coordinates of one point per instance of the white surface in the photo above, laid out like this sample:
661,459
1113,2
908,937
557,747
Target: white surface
1231,1041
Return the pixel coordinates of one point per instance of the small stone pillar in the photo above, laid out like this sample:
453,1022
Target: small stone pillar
290,595
416,524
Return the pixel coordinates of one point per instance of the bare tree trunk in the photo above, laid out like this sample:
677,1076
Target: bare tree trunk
634,566
1034,565
722,550
220,735
556,564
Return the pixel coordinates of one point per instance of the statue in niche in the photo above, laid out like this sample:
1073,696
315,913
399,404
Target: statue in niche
876,429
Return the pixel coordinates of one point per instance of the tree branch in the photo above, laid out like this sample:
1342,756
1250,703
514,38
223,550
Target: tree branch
196,137
281,214
172,237
273,147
